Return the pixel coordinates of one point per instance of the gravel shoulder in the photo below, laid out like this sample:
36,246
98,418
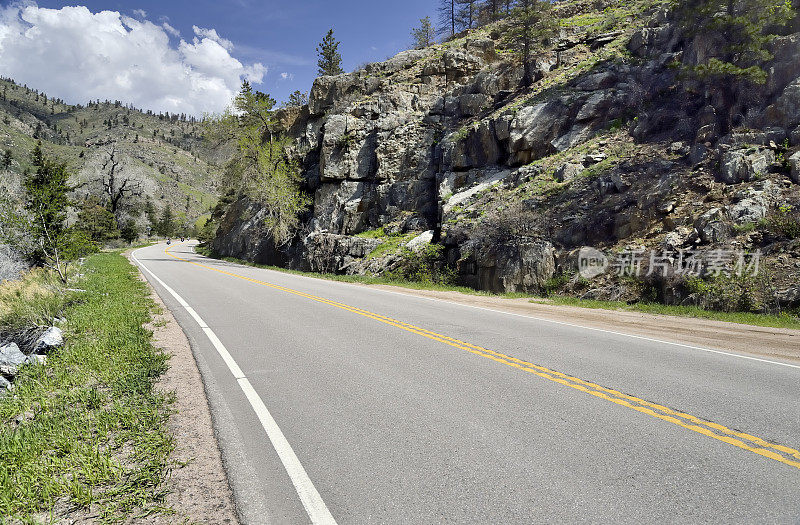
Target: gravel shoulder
781,343
199,489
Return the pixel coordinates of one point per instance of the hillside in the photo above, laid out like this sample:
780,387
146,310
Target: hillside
164,155
497,186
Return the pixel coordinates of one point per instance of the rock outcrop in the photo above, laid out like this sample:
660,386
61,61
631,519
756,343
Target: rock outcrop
609,145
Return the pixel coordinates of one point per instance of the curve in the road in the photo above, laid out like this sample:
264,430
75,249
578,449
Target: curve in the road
775,451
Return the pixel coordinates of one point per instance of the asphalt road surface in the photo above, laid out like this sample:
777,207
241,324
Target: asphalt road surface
341,403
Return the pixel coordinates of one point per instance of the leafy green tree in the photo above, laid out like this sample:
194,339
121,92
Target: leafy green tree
330,60
260,169
532,26
424,35
97,222
6,161
129,231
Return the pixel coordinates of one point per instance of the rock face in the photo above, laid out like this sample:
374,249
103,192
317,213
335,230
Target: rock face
523,267
794,163
745,166
601,150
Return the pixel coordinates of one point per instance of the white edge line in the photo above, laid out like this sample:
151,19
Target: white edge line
542,319
312,501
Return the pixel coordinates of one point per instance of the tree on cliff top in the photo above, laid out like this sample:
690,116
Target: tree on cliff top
532,25
424,35
330,60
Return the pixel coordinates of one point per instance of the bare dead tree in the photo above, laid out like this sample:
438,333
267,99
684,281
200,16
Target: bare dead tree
117,187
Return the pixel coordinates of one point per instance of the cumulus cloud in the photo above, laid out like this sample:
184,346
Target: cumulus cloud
78,55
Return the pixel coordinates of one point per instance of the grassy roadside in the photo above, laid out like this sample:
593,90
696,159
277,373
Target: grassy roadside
87,432
753,319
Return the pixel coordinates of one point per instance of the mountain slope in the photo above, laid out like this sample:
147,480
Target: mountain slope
164,154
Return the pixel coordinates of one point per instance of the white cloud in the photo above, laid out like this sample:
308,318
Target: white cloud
141,13
171,30
211,34
78,55
287,76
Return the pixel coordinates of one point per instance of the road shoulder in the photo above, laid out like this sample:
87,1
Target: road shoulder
779,343
199,488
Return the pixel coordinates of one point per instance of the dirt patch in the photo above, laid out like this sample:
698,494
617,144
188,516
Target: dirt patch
781,343
199,489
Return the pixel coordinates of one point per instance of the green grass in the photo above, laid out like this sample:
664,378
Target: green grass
753,319
93,432
748,318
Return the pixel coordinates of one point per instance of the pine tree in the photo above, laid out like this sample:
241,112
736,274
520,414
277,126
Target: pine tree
532,26
424,35
298,98
467,13
741,31
166,224
330,60
6,162
447,17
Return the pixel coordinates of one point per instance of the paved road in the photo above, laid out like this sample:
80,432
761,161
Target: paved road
341,402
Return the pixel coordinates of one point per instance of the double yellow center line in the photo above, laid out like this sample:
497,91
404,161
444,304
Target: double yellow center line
762,447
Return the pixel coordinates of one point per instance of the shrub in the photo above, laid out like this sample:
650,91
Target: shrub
785,222
425,266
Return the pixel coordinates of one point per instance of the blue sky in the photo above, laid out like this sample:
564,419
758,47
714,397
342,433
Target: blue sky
281,35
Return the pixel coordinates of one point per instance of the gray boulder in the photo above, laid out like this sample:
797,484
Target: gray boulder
789,297
745,165
521,268
568,172
794,165
712,226
51,339
419,242
5,384
11,358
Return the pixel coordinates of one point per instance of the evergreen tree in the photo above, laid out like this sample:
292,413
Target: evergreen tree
47,188
330,60
467,13
6,161
740,30
298,98
424,35
129,231
448,17
166,225
97,222
150,212
532,25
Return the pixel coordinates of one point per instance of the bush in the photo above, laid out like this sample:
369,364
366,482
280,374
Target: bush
425,266
785,222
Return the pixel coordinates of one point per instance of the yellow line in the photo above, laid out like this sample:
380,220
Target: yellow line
732,437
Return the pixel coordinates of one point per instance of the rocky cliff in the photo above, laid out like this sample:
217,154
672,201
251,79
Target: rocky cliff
611,147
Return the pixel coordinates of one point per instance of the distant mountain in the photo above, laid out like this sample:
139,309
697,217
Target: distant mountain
162,155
